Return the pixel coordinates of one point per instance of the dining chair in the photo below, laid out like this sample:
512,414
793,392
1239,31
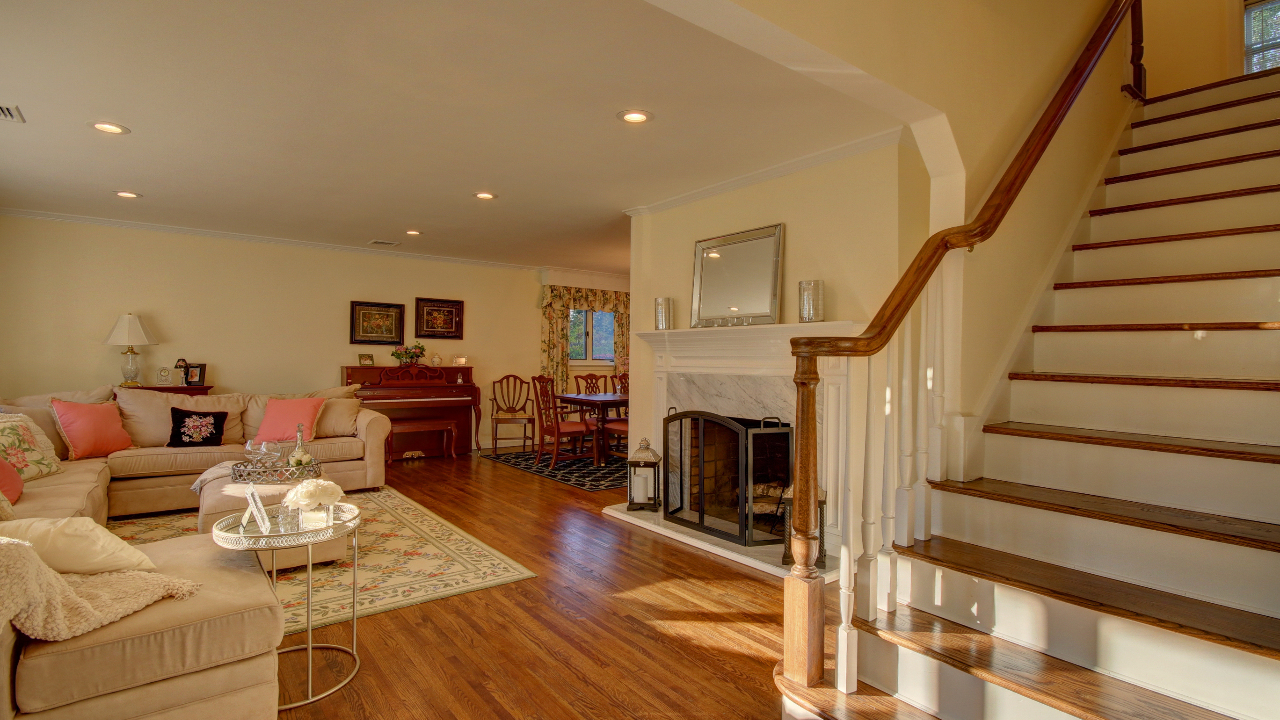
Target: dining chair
511,404
591,384
620,382
552,425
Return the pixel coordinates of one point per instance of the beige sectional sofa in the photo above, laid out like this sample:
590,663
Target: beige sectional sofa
211,655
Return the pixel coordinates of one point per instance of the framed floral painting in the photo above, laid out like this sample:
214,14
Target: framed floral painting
377,323
440,319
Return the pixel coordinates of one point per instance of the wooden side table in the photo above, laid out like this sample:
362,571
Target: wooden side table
448,427
177,389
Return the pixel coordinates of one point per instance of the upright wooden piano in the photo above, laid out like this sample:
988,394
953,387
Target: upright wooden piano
408,393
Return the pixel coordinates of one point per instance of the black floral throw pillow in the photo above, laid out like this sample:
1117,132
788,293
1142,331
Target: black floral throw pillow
196,429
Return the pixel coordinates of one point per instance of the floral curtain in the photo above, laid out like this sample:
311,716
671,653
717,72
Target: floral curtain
557,301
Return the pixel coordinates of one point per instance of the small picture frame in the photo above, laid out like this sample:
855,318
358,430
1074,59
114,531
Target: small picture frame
438,319
365,358
377,323
195,374
255,509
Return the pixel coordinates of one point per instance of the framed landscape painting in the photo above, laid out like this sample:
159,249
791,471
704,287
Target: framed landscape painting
440,319
377,323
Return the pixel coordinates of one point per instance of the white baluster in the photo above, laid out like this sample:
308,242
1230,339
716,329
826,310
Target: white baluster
920,495
938,438
872,474
888,560
905,499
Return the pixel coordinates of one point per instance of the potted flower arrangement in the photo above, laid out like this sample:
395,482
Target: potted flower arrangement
409,354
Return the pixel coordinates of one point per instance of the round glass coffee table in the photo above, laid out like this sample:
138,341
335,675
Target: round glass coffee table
235,533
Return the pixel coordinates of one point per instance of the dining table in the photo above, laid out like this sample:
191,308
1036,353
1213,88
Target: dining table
598,404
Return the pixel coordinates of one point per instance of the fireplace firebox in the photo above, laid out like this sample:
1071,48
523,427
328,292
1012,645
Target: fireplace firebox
726,476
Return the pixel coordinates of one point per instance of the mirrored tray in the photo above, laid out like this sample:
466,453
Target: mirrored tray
252,472
227,532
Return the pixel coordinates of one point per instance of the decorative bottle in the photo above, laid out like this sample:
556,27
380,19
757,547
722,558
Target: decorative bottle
299,456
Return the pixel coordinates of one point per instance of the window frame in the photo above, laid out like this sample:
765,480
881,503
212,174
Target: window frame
591,361
1248,55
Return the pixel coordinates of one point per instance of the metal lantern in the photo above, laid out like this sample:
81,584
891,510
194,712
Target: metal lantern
644,458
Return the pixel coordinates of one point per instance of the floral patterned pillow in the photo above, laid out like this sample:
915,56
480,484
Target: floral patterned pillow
25,446
192,428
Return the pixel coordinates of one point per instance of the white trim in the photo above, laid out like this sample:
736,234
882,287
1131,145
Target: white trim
856,147
154,227
586,279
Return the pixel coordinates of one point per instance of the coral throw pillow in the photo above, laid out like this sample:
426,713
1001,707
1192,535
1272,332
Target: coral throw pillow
281,420
10,482
90,430
196,429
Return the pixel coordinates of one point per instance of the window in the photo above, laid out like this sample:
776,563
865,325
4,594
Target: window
590,336
1261,36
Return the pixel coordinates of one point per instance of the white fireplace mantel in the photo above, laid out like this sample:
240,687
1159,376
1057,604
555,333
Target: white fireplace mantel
750,350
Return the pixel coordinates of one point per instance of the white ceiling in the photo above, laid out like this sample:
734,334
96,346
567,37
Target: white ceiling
342,122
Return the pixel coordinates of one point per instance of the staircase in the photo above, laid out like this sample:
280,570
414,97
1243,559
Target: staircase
1121,557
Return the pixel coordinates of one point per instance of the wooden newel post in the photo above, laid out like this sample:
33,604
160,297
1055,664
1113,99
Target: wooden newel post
802,618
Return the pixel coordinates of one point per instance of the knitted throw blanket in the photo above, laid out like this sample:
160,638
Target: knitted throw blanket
217,472
45,605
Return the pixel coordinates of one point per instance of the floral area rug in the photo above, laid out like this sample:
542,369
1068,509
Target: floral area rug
578,473
408,555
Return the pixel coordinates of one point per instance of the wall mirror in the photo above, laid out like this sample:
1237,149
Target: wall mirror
737,278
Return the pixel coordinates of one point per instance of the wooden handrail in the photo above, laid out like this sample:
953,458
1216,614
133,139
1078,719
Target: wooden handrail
913,281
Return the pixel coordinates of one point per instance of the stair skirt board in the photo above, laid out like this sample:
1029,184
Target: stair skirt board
1231,575
1216,254
1248,141
1240,416
1265,107
1175,302
1208,674
1245,490
1236,354
1244,86
1195,182
1259,209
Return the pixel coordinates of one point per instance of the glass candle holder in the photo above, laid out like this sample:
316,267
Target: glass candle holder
811,309
662,313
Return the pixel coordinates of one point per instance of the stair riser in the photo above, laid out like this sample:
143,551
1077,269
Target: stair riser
1195,182
939,689
1233,488
1253,299
1259,209
1203,673
1205,98
1221,254
1202,150
1208,122
1228,415
1239,354
1230,575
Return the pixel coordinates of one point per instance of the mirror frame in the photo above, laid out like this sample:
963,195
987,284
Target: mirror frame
769,232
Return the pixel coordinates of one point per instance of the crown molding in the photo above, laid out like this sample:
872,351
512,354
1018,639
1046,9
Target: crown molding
132,225
804,162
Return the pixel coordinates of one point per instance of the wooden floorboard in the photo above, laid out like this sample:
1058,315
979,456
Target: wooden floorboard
1250,632
1200,383
619,623
1206,526
1137,441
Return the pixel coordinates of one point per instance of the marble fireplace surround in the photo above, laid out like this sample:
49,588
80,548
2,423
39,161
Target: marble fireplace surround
747,372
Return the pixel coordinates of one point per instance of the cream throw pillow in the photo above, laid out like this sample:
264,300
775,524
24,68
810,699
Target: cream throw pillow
147,419
44,420
25,446
96,395
256,409
6,509
76,545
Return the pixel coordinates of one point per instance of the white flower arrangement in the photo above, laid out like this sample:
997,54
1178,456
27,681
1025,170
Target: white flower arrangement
309,494
299,458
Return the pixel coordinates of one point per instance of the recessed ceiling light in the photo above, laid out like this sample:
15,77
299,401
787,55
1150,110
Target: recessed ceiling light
734,309
111,128
485,195
412,232
128,194
634,116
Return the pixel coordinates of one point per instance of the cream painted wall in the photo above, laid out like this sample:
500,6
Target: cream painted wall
265,317
1191,42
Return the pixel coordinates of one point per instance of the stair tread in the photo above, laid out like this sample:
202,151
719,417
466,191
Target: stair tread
1186,200
1211,86
1199,136
1158,327
1262,97
1150,381
1059,684
1206,526
1239,629
1175,169
1225,232
1137,441
1166,279
825,701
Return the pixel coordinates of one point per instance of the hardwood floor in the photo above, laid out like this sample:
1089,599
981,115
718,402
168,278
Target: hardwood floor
619,623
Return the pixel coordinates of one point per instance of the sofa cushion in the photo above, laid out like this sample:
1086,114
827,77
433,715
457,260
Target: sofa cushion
335,449
196,429
80,490
90,430
283,418
10,482
76,545
234,616
338,418
147,420
153,461
25,446
45,420
99,394
256,405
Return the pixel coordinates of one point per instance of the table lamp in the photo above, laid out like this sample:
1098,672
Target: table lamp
129,331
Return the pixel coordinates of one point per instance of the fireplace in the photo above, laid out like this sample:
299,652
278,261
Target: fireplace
726,476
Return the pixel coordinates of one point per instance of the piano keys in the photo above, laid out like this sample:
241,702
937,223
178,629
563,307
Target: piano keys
408,393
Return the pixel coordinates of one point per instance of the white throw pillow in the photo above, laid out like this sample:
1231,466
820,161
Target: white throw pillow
76,545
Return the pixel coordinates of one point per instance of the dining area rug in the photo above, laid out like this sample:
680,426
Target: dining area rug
582,473
408,555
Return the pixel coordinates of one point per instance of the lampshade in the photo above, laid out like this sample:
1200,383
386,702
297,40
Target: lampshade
129,330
